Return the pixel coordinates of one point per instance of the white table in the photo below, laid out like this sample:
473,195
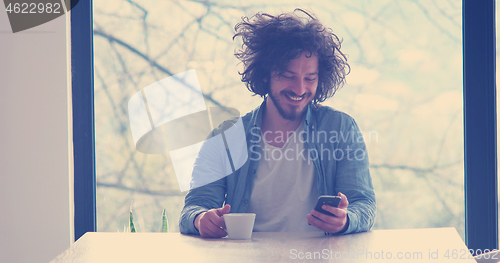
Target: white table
401,245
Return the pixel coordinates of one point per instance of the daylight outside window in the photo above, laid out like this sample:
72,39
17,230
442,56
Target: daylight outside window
404,90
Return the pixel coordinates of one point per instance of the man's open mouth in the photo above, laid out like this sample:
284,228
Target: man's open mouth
295,98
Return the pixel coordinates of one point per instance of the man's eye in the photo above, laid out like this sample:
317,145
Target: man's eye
311,80
287,77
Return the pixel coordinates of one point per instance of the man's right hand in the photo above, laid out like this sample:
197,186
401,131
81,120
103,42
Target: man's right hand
210,223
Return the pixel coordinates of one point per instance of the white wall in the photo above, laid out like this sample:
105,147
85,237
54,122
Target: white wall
34,177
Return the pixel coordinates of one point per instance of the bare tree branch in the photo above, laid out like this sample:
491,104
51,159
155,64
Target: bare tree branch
139,190
414,169
152,62
435,23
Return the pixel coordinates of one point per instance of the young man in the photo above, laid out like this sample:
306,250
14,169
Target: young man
298,149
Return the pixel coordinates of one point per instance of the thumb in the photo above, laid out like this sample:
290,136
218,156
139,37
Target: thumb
224,210
343,201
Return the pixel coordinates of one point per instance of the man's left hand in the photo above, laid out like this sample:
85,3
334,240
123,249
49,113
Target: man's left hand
331,224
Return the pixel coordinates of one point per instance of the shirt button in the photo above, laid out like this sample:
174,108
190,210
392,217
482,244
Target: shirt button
245,201
253,171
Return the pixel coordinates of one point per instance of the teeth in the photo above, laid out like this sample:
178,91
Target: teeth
294,98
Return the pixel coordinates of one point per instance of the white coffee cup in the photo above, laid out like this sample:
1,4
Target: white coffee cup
239,225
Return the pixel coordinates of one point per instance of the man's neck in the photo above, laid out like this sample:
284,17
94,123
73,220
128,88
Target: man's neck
274,125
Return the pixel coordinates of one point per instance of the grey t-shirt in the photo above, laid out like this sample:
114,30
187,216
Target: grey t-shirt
285,188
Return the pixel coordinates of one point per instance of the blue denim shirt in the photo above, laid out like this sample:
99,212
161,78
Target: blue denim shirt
336,146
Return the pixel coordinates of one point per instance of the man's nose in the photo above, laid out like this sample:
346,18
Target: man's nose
299,87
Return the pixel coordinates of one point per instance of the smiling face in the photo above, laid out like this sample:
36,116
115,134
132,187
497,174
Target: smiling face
291,90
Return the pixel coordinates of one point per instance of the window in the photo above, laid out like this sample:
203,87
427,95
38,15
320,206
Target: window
405,92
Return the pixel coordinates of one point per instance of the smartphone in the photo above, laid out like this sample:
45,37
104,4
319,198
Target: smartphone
327,200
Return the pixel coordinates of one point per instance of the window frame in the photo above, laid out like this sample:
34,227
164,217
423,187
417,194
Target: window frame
480,175
82,88
480,127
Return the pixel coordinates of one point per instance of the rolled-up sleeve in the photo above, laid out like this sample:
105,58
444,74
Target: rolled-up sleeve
199,200
354,180
208,183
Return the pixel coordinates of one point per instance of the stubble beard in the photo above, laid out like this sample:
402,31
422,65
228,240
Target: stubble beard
292,115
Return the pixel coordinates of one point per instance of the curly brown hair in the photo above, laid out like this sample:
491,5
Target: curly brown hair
270,42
